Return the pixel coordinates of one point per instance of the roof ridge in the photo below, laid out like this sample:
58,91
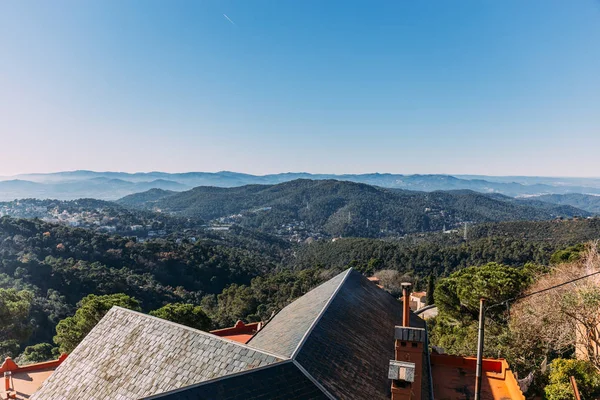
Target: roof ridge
220,378
318,318
204,333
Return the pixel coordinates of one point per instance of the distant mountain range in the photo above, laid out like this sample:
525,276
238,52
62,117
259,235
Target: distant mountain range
345,208
114,185
99,188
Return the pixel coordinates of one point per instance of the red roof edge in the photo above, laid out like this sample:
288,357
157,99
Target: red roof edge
488,364
239,329
498,368
10,365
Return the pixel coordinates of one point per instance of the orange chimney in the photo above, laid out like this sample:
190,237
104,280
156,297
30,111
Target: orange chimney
406,370
406,303
7,385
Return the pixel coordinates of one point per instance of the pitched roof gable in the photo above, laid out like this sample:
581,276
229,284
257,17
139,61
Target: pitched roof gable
129,355
349,349
341,334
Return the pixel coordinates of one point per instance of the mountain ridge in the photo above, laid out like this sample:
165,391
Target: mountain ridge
70,185
342,208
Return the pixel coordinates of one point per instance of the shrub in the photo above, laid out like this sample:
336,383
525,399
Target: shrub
38,353
586,375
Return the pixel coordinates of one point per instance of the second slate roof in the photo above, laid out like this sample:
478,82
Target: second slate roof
349,349
130,355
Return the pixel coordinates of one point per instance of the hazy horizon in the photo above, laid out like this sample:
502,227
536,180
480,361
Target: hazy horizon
292,172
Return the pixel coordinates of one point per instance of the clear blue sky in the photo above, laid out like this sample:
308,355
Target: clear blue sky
508,87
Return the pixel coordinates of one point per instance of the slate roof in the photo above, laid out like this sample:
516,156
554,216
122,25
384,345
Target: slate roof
282,381
335,342
340,337
349,349
129,355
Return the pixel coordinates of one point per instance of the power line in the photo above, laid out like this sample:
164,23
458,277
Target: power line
482,318
559,285
543,290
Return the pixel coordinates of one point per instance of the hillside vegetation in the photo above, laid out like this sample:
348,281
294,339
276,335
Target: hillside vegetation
511,243
338,208
146,197
585,202
237,274
60,265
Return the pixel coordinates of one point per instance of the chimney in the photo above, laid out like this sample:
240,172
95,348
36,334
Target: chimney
7,382
405,303
406,370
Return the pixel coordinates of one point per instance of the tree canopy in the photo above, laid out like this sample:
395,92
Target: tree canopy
185,314
458,295
15,326
38,353
457,298
430,290
71,331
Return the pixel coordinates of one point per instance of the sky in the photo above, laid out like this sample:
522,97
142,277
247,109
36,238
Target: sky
507,87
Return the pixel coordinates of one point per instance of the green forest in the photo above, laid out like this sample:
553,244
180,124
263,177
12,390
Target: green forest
238,274
338,208
56,282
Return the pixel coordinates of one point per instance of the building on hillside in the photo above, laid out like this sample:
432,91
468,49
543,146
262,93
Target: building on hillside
335,342
427,312
376,281
418,300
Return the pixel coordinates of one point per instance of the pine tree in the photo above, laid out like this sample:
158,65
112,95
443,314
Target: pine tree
430,289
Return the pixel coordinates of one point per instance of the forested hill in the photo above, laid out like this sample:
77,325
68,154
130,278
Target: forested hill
70,185
512,243
61,265
346,208
147,197
587,202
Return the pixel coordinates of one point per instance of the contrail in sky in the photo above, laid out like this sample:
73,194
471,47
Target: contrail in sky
228,19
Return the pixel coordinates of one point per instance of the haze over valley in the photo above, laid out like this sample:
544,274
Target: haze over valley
114,185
